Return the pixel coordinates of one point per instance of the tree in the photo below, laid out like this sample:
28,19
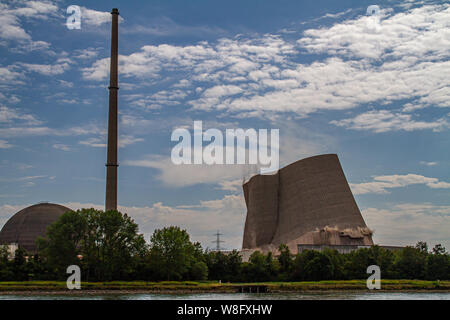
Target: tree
338,261
224,267
63,241
172,253
313,265
199,271
107,243
285,260
438,264
439,249
257,268
411,263
422,246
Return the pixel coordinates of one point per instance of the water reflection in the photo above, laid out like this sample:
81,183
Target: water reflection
242,296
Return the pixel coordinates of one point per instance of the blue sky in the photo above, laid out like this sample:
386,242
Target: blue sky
373,89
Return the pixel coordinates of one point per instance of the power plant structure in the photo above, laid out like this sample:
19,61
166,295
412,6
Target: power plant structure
27,225
24,227
307,204
111,163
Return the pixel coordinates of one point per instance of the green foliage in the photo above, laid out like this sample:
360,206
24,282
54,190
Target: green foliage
173,255
313,265
286,262
224,267
411,263
107,246
438,264
261,267
357,262
199,271
104,244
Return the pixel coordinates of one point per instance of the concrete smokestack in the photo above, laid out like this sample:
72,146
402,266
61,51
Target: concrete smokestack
111,164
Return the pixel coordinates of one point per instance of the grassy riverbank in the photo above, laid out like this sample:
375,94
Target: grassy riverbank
210,286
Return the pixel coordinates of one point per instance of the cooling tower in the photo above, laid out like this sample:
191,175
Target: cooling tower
306,202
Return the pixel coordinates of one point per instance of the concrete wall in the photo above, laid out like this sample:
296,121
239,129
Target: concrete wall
306,202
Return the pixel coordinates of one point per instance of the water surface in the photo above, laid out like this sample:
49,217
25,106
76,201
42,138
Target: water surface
240,296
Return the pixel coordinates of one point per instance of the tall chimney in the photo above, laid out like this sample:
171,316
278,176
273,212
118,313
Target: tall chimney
111,164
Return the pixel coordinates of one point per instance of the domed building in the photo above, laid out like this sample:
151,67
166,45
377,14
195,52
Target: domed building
28,224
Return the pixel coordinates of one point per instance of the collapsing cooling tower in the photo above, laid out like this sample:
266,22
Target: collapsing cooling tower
306,202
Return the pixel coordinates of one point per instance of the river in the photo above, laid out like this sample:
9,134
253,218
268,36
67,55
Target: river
342,295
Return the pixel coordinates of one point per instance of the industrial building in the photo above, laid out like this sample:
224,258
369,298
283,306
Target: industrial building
308,202
23,228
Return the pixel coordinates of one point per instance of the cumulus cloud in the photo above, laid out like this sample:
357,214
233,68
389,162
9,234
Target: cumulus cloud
10,77
10,115
381,184
384,121
407,58
48,69
418,32
231,185
187,175
96,18
407,223
12,14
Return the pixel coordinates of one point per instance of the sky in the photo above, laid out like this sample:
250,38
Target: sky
372,87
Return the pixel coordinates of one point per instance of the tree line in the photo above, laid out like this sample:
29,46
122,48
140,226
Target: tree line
107,246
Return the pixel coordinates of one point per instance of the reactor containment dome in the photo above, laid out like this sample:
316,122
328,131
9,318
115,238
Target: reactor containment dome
28,224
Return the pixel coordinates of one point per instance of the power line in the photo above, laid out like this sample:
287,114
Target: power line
218,241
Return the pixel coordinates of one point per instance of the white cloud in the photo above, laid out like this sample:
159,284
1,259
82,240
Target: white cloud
12,14
428,163
66,84
384,121
60,146
10,77
24,131
406,59
47,69
4,144
10,115
205,60
231,185
88,53
295,143
381,184
408,223
418,32
187,175
96,18
124,140
157,100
